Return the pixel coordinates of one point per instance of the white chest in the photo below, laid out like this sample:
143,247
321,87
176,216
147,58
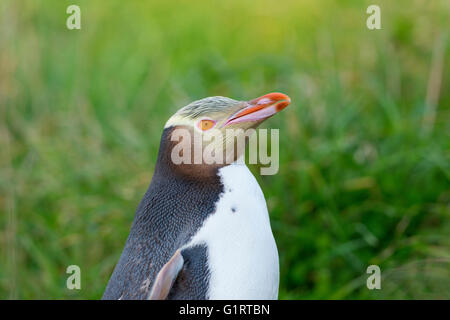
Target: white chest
242,254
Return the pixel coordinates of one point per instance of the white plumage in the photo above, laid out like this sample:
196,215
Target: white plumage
242,254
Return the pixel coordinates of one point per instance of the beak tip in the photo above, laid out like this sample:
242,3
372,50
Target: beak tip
260,108
273,96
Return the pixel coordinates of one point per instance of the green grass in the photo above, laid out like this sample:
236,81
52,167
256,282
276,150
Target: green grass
365,146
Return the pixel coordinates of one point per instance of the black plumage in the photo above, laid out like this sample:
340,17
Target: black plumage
170,213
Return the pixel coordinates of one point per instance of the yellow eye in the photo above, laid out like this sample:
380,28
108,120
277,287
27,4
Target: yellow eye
206,124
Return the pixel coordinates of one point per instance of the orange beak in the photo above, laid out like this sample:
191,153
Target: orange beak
260,108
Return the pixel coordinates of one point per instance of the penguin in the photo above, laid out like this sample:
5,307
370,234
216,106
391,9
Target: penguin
202,230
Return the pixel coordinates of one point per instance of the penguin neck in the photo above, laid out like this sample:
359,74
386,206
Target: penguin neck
166,169
175,197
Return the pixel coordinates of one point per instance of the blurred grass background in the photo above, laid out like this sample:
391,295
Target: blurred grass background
365,145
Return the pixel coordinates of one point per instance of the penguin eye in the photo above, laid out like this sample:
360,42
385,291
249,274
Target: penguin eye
206,124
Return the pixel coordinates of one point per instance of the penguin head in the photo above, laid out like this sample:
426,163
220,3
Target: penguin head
222,113
207,132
